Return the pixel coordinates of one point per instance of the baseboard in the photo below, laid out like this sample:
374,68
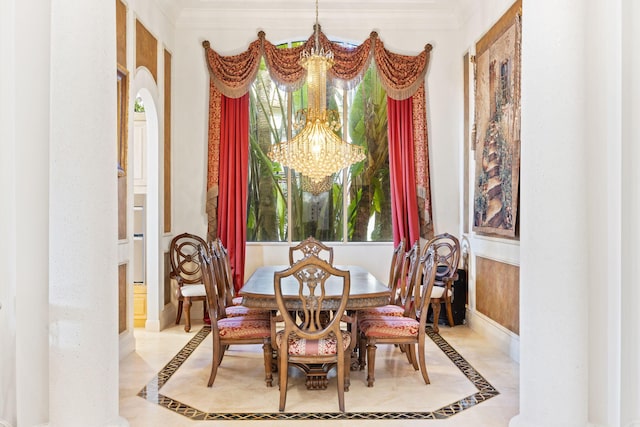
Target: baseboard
152,325
501,337
127,344
168,316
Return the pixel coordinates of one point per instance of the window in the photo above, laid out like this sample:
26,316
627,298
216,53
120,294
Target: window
353,205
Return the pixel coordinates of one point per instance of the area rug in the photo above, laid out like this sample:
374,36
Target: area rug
458,370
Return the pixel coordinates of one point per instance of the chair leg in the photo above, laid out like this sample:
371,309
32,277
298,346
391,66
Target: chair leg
187,314
447,305
371,359
411,349
362,348
435,305
403,349
266,347
215,361
347,370
283,374
179,313
223,350
423,364
205,315
341,383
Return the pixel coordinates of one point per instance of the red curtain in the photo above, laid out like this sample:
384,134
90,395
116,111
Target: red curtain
404,208
232,181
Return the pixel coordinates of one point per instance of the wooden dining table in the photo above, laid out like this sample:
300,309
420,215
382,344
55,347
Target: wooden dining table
366,291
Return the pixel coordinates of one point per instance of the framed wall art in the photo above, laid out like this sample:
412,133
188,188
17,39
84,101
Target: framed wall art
497,126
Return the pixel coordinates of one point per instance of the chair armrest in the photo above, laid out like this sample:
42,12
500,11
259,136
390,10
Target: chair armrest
176,277
351,320
274,318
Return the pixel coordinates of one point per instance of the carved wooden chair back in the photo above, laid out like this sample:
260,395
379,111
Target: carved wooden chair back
408,271
187,272
394,270
447,248
310,246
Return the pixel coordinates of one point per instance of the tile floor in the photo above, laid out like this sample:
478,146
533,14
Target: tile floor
164,384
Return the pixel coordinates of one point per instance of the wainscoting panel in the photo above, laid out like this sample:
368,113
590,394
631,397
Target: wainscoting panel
167,141
122,298
167,279
498,292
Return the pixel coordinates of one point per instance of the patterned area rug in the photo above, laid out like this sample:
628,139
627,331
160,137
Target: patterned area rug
485,391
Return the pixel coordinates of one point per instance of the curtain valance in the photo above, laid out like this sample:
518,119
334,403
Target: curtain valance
401,75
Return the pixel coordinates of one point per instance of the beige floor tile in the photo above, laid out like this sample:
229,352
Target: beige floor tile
240,387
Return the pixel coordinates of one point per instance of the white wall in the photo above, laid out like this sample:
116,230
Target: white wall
8,410
231,33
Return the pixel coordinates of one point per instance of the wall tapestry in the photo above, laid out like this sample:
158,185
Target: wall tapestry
497,126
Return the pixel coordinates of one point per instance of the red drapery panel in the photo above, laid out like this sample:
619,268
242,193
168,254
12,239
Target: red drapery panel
232,183
404,210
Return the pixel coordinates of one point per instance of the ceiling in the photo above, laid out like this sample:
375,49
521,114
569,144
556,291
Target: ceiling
458,9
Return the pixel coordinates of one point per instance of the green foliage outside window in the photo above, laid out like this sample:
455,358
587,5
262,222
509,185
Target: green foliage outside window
364,186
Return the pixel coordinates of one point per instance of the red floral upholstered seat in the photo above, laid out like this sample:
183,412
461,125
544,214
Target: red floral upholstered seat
324,346
241,310
389,327
243,328
385,310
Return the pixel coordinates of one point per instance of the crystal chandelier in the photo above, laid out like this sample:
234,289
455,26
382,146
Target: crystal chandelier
316,152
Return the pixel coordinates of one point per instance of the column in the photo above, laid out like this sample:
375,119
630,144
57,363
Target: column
630,317
554,223
83,360
25,171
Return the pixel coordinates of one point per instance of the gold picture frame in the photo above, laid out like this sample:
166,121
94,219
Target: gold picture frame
123,119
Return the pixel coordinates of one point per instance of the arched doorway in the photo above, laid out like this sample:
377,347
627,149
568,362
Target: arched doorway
146,201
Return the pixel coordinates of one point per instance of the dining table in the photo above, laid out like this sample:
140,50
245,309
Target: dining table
366,291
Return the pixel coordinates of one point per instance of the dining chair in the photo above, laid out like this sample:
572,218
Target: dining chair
447,248
187,272
404,331
310,246
228,331
231,303
404,303
405,292
400,268
310,337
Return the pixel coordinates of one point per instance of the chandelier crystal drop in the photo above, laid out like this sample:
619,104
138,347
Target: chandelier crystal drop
316,151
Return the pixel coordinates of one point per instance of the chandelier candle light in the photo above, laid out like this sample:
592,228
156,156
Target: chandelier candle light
316,151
